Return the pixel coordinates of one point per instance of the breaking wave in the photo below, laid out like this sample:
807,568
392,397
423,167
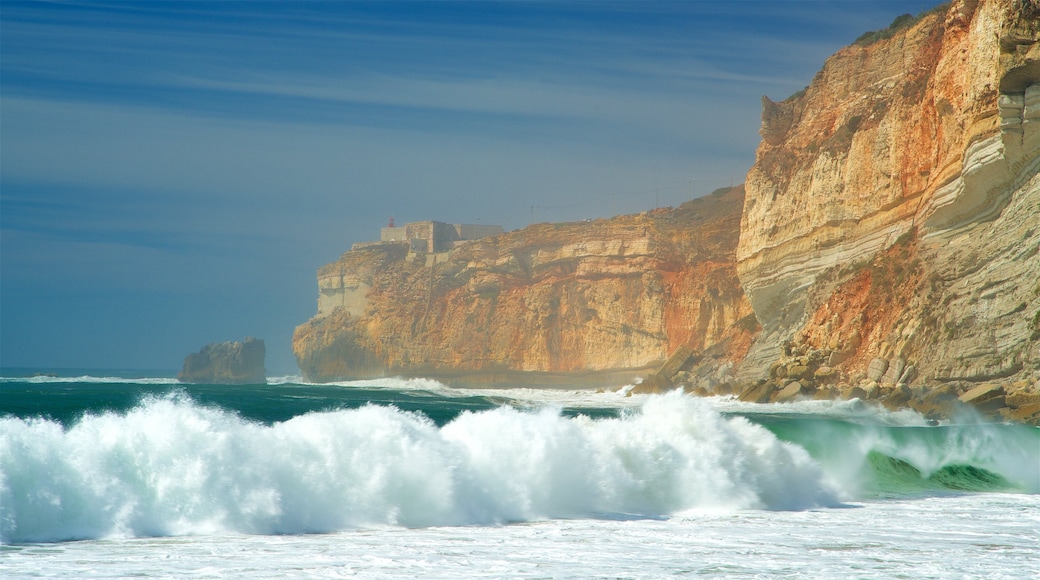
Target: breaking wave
170,466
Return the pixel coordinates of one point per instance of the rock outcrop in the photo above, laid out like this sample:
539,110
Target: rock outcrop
889,250
891,229
588,302
227,363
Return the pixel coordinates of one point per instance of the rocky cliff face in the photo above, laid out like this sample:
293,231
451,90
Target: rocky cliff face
889,246
604,298
227,363
892,217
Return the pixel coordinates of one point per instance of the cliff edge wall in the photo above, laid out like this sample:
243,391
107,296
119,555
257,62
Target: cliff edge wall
892,216
887,248
607,298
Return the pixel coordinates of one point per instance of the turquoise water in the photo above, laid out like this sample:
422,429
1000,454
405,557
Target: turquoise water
67,402
125,475
916,460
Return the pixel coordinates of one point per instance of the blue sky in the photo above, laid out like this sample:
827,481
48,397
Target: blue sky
173,173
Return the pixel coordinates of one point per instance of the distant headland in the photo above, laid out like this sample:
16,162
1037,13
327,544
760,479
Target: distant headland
885,246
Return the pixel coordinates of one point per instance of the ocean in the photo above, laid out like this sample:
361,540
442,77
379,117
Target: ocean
136,476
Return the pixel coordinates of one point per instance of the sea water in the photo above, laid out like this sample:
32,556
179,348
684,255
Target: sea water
105,477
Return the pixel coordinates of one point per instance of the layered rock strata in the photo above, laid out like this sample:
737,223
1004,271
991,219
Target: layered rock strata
588,302
889,248
891,229
227,363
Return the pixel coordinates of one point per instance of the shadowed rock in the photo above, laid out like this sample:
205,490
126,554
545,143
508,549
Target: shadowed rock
227,363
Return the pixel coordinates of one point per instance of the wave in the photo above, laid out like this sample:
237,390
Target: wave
286,380
532,397
524,397
47,379
878,460
853,410
172,467
893,473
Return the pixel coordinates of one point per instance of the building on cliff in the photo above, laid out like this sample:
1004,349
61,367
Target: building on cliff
431,236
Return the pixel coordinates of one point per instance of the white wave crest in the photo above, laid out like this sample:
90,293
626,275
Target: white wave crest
171,467
853,410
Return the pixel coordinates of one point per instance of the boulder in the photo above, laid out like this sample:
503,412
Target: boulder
758,393
894,371
791,392
723,389
227,363
1029,413
1022,399
909,374
668,376
798,371
941,394
854,393
937,403
826,394
897,398
982,394
876,369
654,384
988,399
991,406
838,356
777,370
825,375
679,358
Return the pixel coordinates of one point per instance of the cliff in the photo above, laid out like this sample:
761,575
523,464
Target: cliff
891,226
227,363
887,248
593,302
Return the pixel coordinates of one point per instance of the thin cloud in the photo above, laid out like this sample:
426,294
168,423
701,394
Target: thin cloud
192,164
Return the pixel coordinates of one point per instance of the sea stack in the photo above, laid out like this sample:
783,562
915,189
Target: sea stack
227,363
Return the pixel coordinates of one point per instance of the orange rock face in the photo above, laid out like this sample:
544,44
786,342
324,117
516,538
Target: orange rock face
607,296
896,202
889,248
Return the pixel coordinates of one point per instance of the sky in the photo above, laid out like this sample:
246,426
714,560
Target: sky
173,173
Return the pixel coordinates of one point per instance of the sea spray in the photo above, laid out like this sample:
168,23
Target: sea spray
172,467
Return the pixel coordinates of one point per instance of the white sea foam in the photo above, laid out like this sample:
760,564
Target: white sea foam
171,467
953,537
518,396
397,384
853,410
285,380
622,397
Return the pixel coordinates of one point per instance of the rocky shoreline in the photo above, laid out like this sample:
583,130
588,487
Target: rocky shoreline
806,374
